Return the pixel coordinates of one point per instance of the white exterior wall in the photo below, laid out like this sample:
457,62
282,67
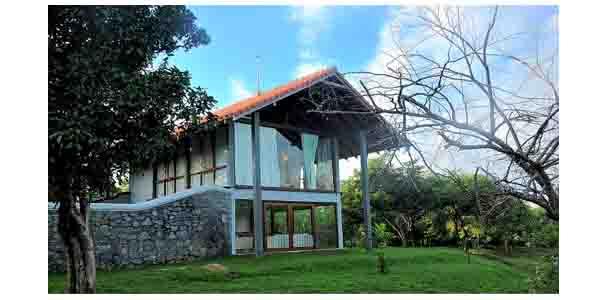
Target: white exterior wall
140,185
221,156
201,157
285,196
180,172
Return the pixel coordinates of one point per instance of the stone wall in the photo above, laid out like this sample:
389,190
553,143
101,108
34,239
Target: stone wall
184,226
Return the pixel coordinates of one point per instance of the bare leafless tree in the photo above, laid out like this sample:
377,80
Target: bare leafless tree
471,92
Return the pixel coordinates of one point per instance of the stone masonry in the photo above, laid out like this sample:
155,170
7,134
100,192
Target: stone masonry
188,225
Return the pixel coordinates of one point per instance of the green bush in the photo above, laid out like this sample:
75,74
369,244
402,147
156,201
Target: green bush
383,237
348,244
545,236
545,279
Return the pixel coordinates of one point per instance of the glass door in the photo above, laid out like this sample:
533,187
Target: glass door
303,227
289,226
277,233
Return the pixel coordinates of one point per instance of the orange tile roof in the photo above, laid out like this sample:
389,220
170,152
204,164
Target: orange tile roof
243,106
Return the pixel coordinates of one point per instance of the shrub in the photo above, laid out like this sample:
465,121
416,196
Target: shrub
545,279
348,244
382,235
545,236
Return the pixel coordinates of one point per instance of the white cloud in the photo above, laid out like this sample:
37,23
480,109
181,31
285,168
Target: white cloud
313,20
239,90
401,30
307,68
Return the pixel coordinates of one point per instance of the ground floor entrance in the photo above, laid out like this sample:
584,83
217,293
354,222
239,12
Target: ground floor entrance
288,226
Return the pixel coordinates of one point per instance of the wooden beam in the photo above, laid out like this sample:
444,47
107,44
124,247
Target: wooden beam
290,127
313,224
258,203
166,170
336,166
188,162
364,180
337,85
175,172
290,226
213,147
154,180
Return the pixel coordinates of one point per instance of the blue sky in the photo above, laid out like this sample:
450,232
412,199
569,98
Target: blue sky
295,40
289,40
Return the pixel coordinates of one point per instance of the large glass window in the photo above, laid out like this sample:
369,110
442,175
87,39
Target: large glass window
326,226
289,159
324,165
243,154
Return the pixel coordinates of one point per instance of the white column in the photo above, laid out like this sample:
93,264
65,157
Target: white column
338,211
258,203
364,180
232,230
338,188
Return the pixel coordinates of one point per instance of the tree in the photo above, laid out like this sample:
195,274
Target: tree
399,197
110,110
455,209
410,197
512,226
451,85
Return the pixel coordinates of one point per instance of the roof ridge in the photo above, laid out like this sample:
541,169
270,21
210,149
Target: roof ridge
244,105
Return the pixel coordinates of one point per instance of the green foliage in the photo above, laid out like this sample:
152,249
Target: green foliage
396,194
421,209
544,231
109,108
524,226
545,279
382,235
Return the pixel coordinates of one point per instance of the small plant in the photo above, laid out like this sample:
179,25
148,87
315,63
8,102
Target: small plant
382,235
381,265
348,244
545,279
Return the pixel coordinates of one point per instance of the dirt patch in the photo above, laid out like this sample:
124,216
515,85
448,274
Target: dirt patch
216,268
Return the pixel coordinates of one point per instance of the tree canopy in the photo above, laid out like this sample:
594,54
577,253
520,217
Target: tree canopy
112,106
420,208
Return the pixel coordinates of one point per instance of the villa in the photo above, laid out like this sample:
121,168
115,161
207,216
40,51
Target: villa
294,181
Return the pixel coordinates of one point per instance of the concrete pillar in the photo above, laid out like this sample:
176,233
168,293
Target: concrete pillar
338,188
364,180
258,203
232,228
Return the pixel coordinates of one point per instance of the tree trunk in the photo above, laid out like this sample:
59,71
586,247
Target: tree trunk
80,258
506,252
466,246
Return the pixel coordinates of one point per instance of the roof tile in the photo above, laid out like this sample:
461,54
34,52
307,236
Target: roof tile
243,106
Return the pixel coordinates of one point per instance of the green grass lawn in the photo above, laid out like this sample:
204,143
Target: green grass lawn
410,270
